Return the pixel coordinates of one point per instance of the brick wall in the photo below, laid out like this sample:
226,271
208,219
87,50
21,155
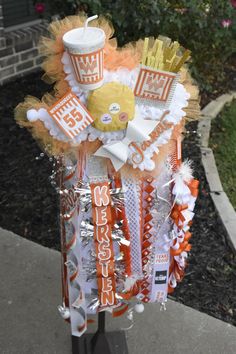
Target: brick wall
2,39
19,50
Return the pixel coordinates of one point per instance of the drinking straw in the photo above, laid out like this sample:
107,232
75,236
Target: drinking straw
89,19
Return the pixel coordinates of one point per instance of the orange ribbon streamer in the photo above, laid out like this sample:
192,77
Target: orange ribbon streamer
193,186
184,246
105,265
119,311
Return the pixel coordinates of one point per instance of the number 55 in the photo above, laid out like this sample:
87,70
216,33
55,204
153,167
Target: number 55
72,117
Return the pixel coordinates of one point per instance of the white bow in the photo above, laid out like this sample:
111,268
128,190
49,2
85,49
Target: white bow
137,131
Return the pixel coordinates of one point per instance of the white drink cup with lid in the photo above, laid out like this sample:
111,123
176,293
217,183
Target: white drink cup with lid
85,47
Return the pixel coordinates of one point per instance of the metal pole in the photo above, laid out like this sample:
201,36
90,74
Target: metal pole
101,322
100,342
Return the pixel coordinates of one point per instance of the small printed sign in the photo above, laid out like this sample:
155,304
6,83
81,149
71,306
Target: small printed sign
71,115
162,258
106,118
114,108
154,84
161,277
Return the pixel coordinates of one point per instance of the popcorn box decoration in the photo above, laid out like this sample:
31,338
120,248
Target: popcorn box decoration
71,115
155,85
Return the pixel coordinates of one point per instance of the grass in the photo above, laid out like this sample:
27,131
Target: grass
223,144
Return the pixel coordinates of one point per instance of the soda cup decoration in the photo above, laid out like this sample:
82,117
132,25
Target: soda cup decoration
85,47
159,69
126,197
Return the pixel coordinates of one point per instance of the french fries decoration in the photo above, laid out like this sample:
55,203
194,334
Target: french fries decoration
164,54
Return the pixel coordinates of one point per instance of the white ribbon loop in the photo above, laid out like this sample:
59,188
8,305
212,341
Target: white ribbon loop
137,131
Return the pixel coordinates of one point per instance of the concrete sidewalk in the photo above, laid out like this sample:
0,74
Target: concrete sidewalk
30,324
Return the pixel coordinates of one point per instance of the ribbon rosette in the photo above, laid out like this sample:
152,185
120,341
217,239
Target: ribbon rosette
137,131
176,213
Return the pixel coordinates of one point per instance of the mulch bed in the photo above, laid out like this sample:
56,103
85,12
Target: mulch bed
29,207
210,281
28,203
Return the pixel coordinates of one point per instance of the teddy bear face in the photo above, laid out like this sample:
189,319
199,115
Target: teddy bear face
111,106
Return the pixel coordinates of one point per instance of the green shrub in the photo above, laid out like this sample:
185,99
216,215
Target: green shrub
197,25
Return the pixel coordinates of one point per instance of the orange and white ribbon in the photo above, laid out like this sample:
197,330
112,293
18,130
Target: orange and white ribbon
105,265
